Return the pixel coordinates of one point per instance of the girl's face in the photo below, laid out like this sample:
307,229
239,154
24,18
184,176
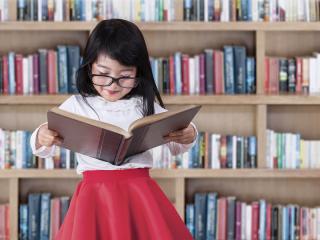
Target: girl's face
106,66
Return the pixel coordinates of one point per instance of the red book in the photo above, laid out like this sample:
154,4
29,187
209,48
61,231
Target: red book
19,73
255,221
54,217
52,72
218,72
223,151
299,75
266,75
268,222
35,66
222,218
5,74
273,75
202,73
185,74
238,220
171,75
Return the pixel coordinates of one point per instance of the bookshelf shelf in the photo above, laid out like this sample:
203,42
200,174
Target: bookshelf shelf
175,174
165,26
183,99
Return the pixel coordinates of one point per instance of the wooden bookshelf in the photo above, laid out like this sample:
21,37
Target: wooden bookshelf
236,115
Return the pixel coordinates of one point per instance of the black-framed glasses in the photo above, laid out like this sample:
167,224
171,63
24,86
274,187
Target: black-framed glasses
106,80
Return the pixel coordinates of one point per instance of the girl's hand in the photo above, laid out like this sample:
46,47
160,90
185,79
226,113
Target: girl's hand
183,136
46,137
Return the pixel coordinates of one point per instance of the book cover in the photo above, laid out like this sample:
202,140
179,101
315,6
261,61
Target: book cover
111,143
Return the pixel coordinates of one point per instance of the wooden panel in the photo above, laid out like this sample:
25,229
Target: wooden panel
4,191
282,191
291,44
162,44
295,119
260,55
229,119
14,208
261,134
168,187
58,187
11,40
23,117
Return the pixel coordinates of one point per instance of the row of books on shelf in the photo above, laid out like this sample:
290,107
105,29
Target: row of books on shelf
50,71
213,151
251,10
227,71
41,217
215,217
289,150
93,10
4,221
295,75
16,153
47,71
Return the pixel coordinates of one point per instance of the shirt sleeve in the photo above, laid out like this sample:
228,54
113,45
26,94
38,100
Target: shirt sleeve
43,151
177,148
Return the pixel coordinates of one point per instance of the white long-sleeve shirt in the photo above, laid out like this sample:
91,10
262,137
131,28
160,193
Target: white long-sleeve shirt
120,113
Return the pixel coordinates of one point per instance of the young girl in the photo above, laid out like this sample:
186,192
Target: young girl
116,86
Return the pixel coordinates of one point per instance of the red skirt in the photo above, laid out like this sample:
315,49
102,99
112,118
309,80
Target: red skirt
121,205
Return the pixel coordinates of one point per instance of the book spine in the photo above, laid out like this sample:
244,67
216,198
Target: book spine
123,148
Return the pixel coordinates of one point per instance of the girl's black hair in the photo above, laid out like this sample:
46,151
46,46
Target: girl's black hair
122,41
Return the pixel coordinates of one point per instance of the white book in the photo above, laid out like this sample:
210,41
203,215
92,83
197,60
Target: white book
317,72
206,14
25,75
58,10
306,9
302,154
191,75
312,75
243,220
40,10
269,149
68,160
215,149
185,160
255,11
30,67
2,10
49,164
88,8
19,149
197,74
2,148
172,10
307,154
318,222
248,222
234,152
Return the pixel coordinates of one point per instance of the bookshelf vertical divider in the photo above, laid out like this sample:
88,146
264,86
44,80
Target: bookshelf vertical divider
14,206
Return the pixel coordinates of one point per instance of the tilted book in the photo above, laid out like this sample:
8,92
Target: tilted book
113,144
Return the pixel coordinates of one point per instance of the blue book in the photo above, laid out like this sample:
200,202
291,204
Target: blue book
62,69
251,75
34,216
73,57
12,79
200,215
240,69
178,77
262,219
211,228
252,151
45,216
23,222
285,223
229,70
190,218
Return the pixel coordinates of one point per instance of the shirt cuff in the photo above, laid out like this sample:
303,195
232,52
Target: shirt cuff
42,151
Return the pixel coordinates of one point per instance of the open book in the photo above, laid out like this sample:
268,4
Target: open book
111,143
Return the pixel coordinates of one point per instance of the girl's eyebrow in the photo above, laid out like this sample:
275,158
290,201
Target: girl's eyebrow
124,69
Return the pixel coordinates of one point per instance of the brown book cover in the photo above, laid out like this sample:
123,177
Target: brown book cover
113,144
